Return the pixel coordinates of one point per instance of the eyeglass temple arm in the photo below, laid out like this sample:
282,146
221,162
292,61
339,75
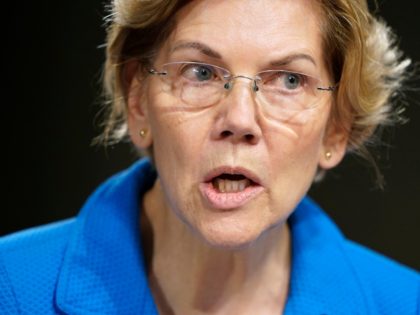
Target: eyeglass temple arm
328,88
155,72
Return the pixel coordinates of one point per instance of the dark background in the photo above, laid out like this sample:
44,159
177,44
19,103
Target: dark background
50,106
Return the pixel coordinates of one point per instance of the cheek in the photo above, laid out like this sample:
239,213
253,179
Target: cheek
166,122
178,135
299,139
179,138
295,151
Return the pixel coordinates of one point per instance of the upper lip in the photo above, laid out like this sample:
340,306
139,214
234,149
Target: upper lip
233,170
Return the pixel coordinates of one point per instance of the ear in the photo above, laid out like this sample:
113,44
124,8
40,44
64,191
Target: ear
334,148
137,115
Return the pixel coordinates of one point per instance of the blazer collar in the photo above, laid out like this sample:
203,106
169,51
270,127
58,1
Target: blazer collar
103,270
323,280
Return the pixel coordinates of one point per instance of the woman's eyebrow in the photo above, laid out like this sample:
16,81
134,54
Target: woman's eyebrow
202,48
206,50
290,58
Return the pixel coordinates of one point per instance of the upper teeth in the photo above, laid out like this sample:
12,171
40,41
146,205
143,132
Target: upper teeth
228,186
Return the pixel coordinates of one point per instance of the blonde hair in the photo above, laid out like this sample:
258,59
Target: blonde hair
359,48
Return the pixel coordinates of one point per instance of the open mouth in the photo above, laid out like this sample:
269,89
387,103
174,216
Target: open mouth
230,188
231,183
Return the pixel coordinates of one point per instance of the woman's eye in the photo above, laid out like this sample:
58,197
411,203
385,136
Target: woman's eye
198,73
284,81
291,81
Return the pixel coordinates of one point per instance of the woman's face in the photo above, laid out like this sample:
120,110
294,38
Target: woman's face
232,171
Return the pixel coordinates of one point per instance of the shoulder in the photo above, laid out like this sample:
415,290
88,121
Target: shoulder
74,264
337,276
392,286
29,265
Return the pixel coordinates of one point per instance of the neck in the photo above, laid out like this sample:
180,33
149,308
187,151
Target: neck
187,276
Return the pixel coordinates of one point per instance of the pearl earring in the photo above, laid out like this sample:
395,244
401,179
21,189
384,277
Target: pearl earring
328,155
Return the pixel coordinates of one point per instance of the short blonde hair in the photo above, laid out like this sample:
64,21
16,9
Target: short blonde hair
359,48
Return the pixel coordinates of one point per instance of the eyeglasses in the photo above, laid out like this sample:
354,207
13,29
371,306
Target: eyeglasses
202,85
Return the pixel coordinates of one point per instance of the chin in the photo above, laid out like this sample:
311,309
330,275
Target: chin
231,245
232,236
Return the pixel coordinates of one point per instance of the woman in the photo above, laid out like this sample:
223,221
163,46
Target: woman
241,105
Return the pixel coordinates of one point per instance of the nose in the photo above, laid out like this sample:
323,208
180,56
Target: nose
237,119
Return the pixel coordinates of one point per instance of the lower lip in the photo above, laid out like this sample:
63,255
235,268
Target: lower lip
228,201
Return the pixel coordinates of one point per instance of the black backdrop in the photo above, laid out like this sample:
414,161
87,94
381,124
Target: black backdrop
52,67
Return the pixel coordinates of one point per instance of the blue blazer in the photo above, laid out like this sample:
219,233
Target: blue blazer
93,264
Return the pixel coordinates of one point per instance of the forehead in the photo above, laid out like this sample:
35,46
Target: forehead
251,29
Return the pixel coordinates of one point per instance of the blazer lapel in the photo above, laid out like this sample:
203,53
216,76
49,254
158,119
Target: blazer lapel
322,280
103,271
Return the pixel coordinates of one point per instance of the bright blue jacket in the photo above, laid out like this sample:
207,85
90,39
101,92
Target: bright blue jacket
93,264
